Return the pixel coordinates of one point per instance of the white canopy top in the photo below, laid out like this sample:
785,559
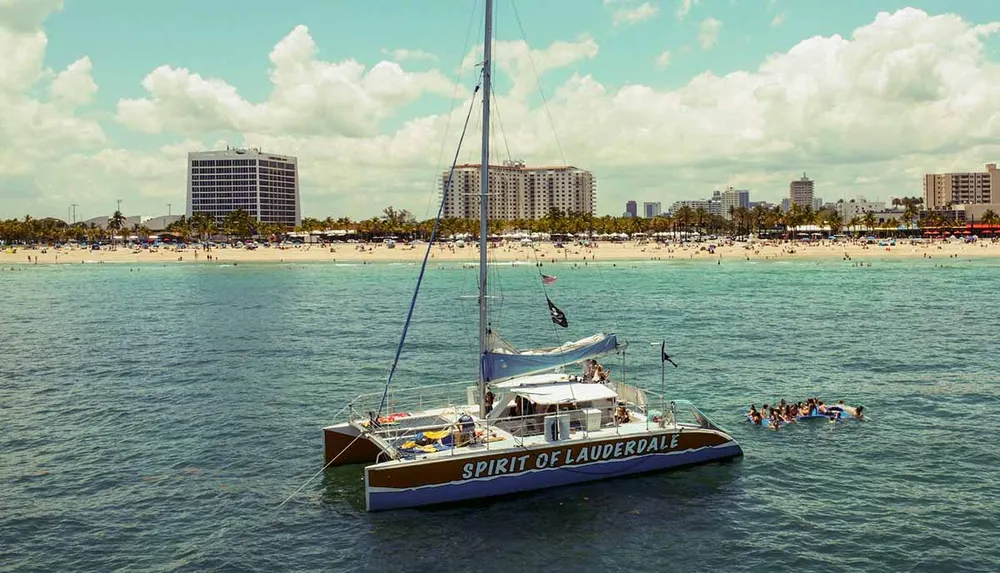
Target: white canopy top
564,393
533,380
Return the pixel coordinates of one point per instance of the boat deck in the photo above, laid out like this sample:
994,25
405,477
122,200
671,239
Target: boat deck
495,438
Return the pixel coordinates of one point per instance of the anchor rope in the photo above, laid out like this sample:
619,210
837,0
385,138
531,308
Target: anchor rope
296,492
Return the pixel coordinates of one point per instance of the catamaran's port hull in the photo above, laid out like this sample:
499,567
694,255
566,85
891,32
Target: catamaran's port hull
379,498
341,446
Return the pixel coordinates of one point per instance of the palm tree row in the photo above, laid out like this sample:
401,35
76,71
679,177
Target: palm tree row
741,221
240,225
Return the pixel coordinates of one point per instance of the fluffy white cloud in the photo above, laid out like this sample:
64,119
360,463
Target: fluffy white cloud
868,113
75,86
26,15
402,55
684,8
308,96
634,15
35,132
708,32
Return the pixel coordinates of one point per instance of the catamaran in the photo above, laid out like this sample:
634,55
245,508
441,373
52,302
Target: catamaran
527,424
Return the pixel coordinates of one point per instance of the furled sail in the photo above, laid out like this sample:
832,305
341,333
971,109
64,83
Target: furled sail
502,361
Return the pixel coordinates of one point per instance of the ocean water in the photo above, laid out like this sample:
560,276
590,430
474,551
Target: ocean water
153,418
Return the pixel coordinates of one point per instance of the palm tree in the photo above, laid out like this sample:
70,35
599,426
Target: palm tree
835,221
116,222
239,224
869,221
204,224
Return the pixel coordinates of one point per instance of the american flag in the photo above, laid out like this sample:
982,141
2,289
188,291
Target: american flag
547,280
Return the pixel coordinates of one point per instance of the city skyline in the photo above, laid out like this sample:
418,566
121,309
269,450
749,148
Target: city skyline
656,99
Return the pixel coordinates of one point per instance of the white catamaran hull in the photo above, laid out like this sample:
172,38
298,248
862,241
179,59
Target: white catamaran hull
401,484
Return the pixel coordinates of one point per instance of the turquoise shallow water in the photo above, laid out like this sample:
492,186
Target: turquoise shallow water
152,418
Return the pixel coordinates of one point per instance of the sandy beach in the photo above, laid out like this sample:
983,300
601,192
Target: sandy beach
542,252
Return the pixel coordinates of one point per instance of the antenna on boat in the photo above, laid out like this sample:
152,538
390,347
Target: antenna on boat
664,358
484,202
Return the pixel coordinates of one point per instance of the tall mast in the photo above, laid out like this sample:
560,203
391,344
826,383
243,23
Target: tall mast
484,186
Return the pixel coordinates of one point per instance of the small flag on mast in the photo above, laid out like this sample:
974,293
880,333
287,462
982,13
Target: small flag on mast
547,280
663,354
557,315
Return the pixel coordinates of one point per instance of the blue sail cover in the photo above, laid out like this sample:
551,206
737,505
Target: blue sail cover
504,362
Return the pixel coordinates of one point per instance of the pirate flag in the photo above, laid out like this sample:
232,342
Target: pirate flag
663,354
557,315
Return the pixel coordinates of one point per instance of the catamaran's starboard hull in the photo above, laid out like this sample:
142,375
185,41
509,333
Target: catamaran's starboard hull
395,485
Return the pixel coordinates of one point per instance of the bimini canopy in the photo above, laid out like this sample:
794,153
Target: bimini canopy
565,393
501,361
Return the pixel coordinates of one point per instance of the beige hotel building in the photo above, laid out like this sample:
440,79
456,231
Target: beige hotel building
940,189
519,192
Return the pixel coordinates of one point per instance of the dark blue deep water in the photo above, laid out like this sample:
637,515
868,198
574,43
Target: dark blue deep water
152,418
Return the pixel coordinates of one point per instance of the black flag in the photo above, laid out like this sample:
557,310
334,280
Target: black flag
663,354
557,315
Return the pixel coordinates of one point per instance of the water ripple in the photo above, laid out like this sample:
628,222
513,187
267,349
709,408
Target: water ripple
153,421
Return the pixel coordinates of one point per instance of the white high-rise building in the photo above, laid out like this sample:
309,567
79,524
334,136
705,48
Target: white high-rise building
520,192
651,209
801,192
265,185
731,199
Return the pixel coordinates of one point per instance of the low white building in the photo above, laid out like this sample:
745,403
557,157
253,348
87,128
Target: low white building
858,208
693,205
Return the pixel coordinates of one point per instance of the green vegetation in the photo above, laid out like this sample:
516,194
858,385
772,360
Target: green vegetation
239,225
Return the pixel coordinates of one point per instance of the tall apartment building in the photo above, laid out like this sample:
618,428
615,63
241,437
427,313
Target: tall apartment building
731,199
940,189
519,192
800,192
631,209
264,185
651,209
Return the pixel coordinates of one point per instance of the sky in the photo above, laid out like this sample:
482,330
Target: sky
101,100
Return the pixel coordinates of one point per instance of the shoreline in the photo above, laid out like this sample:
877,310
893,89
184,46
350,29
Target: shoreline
546,254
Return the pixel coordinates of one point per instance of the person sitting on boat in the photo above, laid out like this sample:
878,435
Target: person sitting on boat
589,370
621,414
467,426
602,374
489,401
753,410
755,416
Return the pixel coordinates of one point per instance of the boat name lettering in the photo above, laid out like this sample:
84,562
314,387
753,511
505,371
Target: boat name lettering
573,455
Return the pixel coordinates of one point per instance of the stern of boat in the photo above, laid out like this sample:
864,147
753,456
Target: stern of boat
343,444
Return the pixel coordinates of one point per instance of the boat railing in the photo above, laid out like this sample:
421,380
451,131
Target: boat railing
443,431
405,400
673,412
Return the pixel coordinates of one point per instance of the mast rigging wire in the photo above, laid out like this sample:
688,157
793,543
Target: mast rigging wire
427,253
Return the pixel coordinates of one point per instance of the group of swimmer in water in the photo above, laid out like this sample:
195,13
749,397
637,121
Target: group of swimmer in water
783,412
